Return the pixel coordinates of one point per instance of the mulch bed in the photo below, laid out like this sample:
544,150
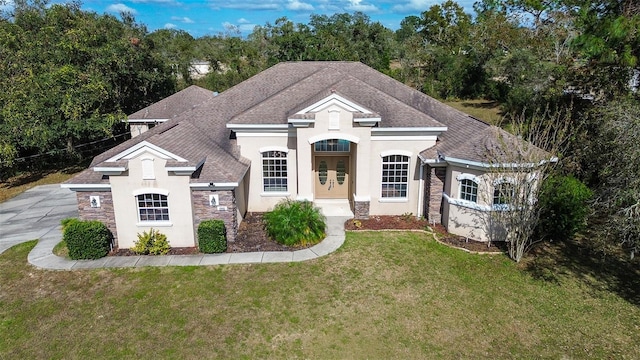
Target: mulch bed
172,251
253,237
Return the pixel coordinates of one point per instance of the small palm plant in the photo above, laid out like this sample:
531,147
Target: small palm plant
295,223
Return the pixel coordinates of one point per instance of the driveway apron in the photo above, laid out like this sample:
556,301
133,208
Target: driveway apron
34,214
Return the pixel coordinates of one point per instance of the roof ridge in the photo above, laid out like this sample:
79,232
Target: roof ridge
246,110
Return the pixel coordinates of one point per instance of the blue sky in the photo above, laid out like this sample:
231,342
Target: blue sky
212,17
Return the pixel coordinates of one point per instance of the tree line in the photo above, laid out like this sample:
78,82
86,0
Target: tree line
68,76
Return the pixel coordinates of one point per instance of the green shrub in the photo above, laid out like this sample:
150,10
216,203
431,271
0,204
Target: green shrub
212,236
86,239
153,242
294,223
68,221
563,205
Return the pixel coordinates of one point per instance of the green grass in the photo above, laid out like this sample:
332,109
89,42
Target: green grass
486,110
61,249
18,184
382,295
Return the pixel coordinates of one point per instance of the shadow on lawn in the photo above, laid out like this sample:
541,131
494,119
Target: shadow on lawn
612,273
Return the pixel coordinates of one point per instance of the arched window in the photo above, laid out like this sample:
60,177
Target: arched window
274,171
332,145
469,190
152,207
395,176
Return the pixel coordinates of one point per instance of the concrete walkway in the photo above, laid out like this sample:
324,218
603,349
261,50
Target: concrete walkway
36,214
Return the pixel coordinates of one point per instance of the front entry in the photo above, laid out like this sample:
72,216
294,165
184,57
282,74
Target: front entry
332,177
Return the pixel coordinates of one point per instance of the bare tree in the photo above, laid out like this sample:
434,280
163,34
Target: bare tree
519,161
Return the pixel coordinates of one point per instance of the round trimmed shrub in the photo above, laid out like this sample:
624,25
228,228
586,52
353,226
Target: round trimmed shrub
212,236
295,223
87,239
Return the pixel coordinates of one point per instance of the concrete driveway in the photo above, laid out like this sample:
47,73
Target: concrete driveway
34,214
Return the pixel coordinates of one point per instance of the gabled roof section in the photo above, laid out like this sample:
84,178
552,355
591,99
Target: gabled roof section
331,100
173,105
143,147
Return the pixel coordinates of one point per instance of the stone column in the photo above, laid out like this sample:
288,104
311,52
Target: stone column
225,210
104,213
435,187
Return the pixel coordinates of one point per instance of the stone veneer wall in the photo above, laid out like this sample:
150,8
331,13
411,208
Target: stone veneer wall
203,211
435,186
104,213
361,209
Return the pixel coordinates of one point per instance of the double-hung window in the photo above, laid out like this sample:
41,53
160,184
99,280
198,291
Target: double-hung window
395,176
152,207
274,171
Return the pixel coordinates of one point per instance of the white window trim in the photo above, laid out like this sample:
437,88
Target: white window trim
274,148
265,149
390,153
475,179
143,191
397,152
275,194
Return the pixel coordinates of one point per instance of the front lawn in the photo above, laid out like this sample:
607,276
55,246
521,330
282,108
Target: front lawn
382,295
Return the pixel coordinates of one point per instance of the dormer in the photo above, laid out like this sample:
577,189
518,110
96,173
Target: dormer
361,115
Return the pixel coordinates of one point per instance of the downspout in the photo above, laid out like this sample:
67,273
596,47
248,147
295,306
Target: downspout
420,190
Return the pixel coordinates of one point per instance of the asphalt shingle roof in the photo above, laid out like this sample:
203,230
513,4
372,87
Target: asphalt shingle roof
197,129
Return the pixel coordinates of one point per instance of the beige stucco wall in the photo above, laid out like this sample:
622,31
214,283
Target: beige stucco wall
472,220
250,147
365,170
179,229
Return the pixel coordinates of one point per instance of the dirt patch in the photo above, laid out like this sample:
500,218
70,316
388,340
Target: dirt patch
468,244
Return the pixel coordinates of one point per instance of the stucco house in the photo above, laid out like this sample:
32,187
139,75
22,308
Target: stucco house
298,130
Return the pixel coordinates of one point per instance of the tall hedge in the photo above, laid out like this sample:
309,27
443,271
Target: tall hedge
564,207
212,236
87,239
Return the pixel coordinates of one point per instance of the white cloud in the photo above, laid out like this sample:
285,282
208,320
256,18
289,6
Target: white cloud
356,5
185,19
296,5
413,6
247,27
170,26
250,5
419,6
121,8
244,26
164,2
